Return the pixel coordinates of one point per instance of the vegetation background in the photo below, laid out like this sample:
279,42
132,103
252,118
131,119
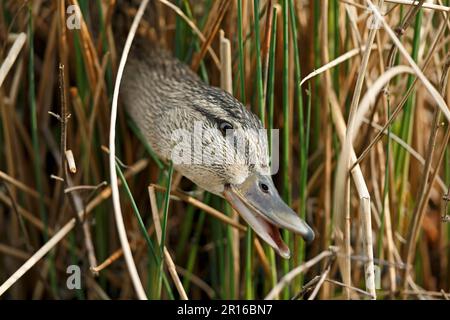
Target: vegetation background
306,68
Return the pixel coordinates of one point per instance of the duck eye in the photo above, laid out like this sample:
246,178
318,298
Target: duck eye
224,126
264,187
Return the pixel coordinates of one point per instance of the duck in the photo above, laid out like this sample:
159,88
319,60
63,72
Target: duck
210,137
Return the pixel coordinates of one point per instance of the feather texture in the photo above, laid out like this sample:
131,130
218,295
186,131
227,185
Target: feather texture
179,115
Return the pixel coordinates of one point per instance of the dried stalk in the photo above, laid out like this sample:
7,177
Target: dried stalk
426,183
12,56
137,167
112,157
425,5
342,187
226,83
289,277
167,258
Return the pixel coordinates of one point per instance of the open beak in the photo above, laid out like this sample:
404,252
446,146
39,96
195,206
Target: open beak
259,203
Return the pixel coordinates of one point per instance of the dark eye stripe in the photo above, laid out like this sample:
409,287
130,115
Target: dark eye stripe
210,116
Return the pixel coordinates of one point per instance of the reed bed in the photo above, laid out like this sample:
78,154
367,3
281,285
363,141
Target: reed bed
358,90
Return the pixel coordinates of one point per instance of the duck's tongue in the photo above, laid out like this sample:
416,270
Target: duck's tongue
265,212
268,232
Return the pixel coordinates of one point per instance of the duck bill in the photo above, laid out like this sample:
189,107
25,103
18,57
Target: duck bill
266,212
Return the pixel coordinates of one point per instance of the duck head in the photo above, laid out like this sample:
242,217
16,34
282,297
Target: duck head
211,138
225,151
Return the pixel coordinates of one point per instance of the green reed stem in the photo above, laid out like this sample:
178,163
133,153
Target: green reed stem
401,156
259,79
193,252
249,294
303,154
407,119
142,227
270,101
164,226
36,148
241,52
145,143
286,129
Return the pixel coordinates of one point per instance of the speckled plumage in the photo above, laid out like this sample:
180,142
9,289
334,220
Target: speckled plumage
163,95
